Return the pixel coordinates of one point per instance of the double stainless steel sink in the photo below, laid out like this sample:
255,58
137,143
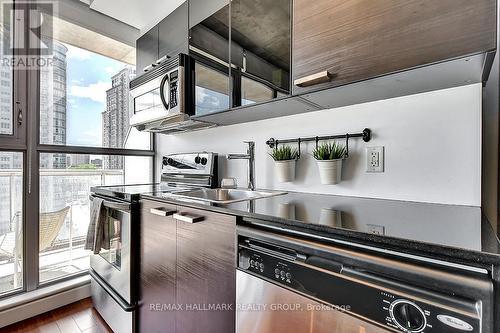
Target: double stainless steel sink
225,196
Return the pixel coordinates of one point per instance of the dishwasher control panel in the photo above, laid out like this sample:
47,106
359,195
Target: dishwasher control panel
386,304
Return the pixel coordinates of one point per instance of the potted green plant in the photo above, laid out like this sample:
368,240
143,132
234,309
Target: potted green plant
284,162
329,158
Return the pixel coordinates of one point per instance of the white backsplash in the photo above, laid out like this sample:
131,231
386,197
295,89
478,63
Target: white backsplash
432,147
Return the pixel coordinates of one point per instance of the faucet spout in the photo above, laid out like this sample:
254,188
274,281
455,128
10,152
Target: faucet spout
250,157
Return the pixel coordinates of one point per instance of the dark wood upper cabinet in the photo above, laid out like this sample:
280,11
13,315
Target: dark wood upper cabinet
261,48
157,266
173,33
147,49
206,268
209,46
336,42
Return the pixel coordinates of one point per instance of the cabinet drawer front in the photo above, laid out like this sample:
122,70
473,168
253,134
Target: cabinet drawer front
355,40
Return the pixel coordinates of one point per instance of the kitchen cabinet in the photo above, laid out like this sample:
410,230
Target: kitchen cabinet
188,258
336,42
209,46
261,48
206,258
166,39
147,50
157,266
173,33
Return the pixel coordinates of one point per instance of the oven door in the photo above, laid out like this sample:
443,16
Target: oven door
264,307
112,264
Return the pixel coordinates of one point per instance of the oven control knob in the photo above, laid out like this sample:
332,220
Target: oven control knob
165,161
204,161
197,160
408,316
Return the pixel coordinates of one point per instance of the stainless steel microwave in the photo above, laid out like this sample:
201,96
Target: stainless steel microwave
166,97
160,94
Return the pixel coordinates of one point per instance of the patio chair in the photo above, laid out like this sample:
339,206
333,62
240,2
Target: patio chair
50,225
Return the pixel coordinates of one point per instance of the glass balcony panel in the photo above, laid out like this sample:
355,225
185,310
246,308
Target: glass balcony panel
64,204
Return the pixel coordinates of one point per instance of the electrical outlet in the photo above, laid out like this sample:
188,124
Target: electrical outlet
376,229
375,159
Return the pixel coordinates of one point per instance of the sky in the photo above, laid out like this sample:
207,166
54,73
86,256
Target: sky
88,77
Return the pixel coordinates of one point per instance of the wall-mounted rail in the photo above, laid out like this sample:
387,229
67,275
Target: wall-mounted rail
366,135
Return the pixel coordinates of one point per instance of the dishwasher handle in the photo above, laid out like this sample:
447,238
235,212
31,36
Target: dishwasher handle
273,250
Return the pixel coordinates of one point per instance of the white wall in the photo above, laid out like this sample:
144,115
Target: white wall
432,147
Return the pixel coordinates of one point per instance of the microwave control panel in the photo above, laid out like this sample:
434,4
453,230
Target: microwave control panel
174,89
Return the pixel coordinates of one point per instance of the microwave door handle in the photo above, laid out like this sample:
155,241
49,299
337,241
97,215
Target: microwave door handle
162,91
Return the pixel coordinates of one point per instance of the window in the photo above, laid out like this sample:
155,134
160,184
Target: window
6,87
11,221
64,204
78,104
45,183
84,102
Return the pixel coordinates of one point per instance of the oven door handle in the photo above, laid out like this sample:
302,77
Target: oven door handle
162,91
121,302
114,205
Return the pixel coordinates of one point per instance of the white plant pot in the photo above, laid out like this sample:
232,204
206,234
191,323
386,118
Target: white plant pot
330,171
285,170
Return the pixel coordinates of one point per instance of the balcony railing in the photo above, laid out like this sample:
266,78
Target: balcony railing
59,188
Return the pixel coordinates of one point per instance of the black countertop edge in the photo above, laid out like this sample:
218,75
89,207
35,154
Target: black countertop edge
477,259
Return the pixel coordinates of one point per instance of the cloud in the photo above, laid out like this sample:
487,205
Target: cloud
95,91
110,70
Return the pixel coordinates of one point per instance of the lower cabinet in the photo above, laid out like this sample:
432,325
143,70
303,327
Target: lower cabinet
206,281
157,267
188,260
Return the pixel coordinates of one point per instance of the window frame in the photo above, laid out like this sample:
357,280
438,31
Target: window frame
26,139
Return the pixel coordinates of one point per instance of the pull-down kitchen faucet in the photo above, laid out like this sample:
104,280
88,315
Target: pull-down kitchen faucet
250,156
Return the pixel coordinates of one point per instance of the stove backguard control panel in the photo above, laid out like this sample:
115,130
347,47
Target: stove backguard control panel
380,303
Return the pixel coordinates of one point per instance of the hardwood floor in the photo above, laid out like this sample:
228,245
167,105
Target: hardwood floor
78,317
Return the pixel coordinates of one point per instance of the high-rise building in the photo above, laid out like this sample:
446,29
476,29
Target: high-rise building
76,160
115,120
52,130
53,105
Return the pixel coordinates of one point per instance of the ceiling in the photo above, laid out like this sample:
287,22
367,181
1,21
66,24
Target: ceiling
141,14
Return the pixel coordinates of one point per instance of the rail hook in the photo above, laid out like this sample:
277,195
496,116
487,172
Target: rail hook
346,145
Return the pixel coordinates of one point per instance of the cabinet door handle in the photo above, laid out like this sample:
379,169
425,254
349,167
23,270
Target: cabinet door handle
188,218
313,79
161,211
148,68
162,59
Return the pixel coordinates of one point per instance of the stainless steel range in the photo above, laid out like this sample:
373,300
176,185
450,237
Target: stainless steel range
114,270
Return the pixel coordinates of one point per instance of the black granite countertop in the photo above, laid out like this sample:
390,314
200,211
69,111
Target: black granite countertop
447,232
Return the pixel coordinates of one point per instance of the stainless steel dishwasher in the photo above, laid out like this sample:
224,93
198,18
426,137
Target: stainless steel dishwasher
293,285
